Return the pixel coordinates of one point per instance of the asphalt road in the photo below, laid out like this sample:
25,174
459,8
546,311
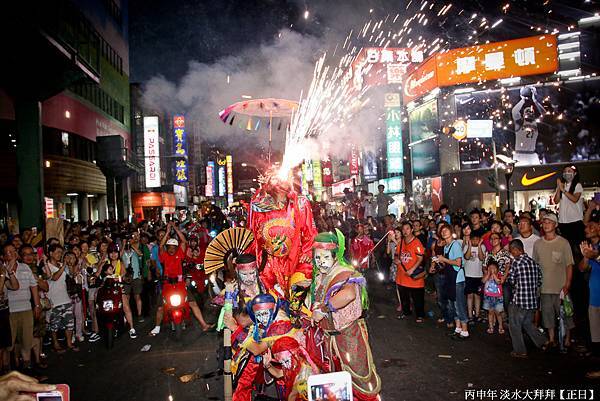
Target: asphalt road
415,361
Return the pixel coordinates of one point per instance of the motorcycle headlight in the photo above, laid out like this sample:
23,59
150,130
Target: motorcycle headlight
175,300
107,305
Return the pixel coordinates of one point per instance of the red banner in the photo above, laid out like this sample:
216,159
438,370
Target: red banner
354,163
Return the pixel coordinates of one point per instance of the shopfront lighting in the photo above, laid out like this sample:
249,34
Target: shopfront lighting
47,163
67,114
589,20
90,195
463,90
72,194
510,81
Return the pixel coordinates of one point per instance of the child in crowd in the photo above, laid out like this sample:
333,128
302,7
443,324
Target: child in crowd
492,297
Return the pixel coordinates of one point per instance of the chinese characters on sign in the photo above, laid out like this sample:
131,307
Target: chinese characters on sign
151,152
317,180
514,58
180,149
380,66
354,168
393,127
229,179
210,179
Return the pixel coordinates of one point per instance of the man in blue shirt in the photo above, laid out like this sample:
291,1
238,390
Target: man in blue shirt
590,262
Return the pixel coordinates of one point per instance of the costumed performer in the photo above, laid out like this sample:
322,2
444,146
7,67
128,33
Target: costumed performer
284,229
338,299
289,361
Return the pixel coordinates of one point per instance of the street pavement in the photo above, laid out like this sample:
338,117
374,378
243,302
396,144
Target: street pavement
415,362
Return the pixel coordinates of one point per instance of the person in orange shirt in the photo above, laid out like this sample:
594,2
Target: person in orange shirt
410,278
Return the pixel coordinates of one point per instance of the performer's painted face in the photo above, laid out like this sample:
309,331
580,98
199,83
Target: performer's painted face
324,259
247,277
262,316
285,359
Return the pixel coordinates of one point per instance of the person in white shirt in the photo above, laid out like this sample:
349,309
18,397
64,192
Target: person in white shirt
474,255
61,314
568,196
526,235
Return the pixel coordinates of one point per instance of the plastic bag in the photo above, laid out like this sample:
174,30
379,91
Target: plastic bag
568,306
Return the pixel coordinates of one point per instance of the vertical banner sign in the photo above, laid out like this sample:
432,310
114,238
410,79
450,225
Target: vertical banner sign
327,173
317,179
151,152
222,183
180,148
229,160
354,169
393,129
210,179
49,203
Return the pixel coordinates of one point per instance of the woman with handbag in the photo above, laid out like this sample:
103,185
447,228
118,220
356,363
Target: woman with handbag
410,278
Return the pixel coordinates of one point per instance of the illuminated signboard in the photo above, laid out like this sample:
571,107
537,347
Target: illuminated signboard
337,189
393,126
222,181
354,167
229,178
382,65
513,58
317,179
180,149
49,203
210,179
151,152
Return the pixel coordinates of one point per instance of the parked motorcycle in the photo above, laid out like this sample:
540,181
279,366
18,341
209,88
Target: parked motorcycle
109,308
176,306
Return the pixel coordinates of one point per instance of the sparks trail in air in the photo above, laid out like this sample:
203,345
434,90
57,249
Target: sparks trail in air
332,99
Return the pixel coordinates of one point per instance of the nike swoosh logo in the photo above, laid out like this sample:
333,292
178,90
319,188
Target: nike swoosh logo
526,181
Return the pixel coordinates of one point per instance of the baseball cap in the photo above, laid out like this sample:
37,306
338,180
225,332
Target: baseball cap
551,217
172,241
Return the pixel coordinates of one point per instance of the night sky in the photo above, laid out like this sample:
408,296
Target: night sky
166,35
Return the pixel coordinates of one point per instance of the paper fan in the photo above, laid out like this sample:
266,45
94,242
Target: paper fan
233,240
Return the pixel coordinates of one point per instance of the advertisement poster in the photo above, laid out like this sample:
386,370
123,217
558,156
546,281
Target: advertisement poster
370,164
222,181
426,158
534,125
327,173
317,179
423,121
427,193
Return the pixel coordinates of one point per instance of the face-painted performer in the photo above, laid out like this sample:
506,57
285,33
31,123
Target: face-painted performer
338,299
290,362
284,229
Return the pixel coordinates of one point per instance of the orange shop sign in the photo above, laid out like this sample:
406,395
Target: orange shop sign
513,58
533,55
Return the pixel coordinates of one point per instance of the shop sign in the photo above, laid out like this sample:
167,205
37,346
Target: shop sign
327,173
222,182
427,193
151,152
382,65
229,177
534,55
393,126
513,58
533,178
420,81
49,203
337,188
317,179
210,179
460,130
392,185
354,168
180,149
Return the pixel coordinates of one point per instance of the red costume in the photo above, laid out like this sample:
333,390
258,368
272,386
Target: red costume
359,249
285,231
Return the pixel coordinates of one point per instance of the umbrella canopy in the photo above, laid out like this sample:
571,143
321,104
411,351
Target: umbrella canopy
260,108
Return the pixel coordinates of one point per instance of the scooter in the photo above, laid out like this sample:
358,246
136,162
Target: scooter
176,306
109,308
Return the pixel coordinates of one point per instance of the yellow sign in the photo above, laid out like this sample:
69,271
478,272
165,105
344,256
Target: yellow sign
460,132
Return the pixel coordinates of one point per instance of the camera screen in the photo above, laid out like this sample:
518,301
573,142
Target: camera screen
49,398
330,391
